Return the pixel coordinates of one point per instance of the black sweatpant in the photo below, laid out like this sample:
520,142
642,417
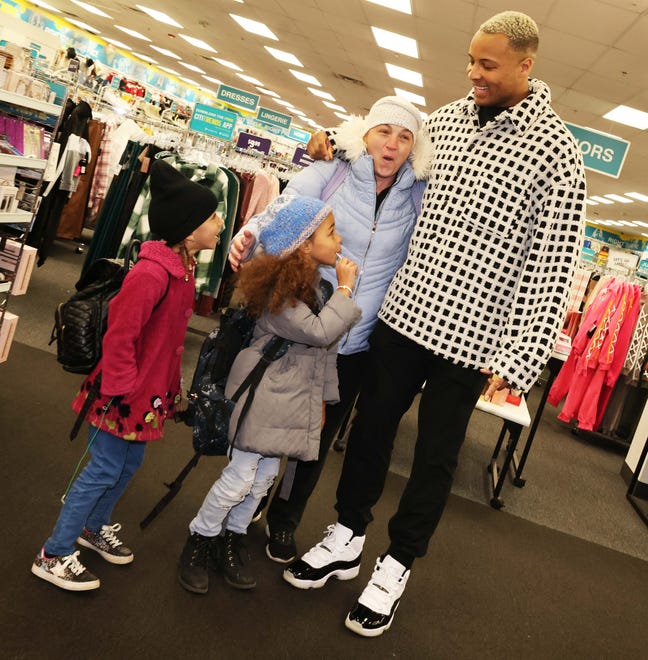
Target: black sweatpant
301,477
397,369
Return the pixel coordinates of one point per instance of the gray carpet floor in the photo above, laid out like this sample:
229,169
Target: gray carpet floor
560,572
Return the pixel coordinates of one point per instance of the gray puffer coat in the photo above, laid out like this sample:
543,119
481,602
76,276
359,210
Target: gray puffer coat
286,416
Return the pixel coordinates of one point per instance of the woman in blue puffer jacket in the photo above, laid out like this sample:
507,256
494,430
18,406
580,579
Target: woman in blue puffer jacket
375,192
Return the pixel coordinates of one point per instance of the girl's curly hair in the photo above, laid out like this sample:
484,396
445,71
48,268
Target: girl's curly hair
270,283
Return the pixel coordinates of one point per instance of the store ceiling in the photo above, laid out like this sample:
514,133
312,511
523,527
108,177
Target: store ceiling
593,54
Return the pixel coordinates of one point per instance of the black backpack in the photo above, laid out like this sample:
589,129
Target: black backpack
80,322
208,410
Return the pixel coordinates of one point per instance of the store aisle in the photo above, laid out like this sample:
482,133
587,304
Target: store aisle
492,586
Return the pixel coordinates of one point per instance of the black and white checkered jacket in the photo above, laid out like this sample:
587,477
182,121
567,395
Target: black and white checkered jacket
487,276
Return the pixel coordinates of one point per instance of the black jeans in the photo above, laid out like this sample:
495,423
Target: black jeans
301,477
397,369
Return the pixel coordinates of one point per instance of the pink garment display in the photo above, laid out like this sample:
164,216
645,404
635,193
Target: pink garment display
588,377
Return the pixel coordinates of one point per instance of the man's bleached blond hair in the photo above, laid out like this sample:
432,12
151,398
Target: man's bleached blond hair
521,30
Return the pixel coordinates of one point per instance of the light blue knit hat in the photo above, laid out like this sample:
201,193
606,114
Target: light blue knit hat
288,221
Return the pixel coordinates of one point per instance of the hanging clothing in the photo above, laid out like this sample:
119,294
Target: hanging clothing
589,375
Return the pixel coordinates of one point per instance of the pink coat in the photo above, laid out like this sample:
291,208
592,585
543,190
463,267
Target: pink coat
142,348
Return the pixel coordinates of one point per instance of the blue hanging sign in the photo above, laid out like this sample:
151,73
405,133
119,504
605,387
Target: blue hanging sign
299,135
601,152
274,118
238,97
213,121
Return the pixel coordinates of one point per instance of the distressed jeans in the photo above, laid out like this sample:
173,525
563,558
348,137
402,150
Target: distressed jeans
236,494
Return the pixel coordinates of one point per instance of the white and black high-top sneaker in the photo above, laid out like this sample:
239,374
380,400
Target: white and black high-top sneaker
375,609
338,555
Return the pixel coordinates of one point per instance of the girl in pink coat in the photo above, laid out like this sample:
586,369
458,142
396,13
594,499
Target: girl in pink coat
140,376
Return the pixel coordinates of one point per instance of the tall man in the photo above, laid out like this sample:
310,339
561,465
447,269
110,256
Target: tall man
481,296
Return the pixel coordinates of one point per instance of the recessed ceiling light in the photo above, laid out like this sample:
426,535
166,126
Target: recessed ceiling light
288,104
591,203
334,106
44,5
643,234
166,52
189,81
283,56
396,42
84,26
638,196
601,200
627,223
227,63
159,16
132,33
198,43
342,115
268,92
628,116
119,44
321,94
410,96
250,79
641,223
399,5
90,8
216,81
406,75
146,58
305,77
297,112
191,67
168,70
255,27
620,198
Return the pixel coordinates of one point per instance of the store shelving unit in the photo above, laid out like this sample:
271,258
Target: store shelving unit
15,225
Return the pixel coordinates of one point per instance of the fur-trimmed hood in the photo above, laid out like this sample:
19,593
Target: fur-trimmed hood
349,138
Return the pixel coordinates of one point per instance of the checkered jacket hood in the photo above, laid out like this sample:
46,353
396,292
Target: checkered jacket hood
487,276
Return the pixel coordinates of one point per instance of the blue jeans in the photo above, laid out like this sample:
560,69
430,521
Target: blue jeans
90,502
236,494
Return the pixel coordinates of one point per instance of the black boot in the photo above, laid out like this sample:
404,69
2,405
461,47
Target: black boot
234,560
194,562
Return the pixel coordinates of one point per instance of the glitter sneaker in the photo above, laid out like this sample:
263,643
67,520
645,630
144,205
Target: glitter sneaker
66,572
106,543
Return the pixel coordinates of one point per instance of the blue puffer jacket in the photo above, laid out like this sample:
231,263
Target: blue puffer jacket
377,243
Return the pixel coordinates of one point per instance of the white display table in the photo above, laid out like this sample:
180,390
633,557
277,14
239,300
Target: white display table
515,419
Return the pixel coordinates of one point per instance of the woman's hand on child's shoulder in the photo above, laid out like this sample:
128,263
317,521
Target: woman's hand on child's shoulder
346,271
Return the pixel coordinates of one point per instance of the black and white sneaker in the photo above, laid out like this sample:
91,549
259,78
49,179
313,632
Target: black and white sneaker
375,609
106,543
66,572
258,514
338,555
281,546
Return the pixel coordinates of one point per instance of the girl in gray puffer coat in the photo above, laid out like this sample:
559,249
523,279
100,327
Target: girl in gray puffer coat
282,288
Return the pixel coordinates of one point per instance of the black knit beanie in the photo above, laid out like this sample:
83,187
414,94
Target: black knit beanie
178,205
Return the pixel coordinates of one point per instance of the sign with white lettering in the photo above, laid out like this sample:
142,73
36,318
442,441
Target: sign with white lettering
238,97
249,141
299,135
274,118
301,157
601,152
213,121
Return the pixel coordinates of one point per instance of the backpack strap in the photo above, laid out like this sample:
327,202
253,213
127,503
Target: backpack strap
336,180
270,353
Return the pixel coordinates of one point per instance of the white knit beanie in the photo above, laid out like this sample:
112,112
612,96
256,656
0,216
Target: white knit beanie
397,111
